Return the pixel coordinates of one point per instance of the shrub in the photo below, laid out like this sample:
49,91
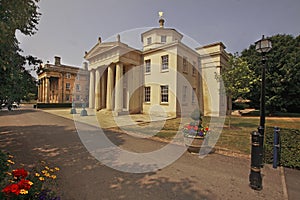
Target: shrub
290,147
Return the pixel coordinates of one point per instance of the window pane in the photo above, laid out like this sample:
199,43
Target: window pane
164,93
147,66
165,62
147,94
163,39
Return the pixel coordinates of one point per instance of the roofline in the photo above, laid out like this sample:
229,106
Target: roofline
211,45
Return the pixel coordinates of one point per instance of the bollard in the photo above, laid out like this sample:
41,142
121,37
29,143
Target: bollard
83,111
73,110
276,147
261,145
255,175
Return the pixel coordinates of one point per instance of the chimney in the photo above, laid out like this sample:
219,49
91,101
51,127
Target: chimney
57,60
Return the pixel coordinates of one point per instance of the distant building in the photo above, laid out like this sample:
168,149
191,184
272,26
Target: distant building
166,75
60,83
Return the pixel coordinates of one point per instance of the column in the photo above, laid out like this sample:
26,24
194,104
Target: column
110,83
92,89
39,92
47,85
119,88
97,89
102,91
43,90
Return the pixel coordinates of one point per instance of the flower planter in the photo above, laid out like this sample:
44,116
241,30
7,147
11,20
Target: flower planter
195,143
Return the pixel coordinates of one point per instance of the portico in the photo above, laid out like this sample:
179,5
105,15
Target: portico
114,77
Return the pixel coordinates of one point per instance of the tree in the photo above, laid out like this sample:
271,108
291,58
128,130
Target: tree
282,74
237,77
15,81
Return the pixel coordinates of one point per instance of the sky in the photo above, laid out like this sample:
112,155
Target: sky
68,28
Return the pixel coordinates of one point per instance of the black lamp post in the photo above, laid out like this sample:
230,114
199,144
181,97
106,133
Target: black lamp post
262,46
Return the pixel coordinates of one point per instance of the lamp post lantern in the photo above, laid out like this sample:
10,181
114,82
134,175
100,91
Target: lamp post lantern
262,46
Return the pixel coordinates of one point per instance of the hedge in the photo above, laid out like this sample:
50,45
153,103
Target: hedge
58,105
290,147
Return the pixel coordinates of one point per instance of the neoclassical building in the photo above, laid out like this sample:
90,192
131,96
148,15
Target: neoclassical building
60,83
166,76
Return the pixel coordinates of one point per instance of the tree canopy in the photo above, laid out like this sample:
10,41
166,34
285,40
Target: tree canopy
15,15
282,74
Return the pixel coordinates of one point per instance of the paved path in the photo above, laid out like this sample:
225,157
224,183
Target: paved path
33,135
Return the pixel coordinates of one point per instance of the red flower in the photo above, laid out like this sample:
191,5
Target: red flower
20,173
206,129
7,189
15,189
195,128
24,184
189,127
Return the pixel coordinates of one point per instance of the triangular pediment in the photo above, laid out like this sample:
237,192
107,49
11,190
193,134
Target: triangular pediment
100,48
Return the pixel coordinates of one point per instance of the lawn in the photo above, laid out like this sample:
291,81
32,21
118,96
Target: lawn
236,137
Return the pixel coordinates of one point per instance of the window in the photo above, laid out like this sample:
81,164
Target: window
185,65
68,86
148,66
184,93
68,75
68,97
77,97
149,40
78,77
147,94
164,91
165,62
194,68
163,39
194,95
77,87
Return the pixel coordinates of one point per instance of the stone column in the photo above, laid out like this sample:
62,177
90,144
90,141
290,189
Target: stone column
39,92
109,91
92,89
119,88
47,85
43,90
102,91
97,89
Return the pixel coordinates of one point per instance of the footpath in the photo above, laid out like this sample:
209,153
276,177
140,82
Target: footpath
216,176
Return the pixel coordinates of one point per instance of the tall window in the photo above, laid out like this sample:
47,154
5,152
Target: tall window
77,87
78,77
194,68
184,93
163,39
68,86
68,75
194,95
165,62
148,66
185,65
147,94
149,40
68,97
164,92
77,97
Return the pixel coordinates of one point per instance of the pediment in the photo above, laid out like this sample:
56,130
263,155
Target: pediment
100,48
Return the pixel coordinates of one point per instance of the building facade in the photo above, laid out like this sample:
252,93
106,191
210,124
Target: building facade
60,83
165,77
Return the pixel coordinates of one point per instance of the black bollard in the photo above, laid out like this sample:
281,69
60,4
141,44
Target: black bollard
261,132
276,147
255,175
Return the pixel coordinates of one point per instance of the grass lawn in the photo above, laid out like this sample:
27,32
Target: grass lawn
236,138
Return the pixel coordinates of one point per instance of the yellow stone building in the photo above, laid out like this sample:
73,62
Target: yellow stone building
166,77
60,83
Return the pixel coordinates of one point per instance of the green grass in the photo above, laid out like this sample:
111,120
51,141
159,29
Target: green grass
236,137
